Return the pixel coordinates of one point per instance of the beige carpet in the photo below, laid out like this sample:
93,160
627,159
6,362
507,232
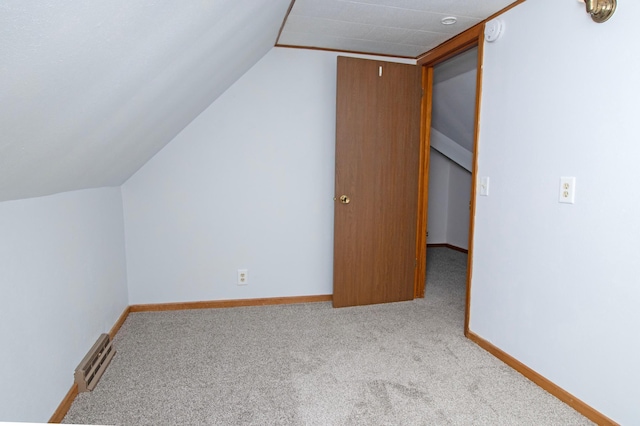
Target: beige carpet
396,364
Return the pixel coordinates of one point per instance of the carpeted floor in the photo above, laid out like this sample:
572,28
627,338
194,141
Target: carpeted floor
395,364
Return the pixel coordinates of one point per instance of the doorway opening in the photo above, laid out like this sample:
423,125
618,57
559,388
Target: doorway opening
450,115
450,175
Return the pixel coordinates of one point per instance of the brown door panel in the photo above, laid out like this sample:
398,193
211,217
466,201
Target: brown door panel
377,161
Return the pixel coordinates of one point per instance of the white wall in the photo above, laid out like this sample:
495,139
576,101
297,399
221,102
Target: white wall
458,211
451,149
63,283
438,205
556,285
448,208
248,184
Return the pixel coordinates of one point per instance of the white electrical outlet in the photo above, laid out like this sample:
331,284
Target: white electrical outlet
243,276
567,190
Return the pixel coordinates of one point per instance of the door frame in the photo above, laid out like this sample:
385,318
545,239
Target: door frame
469,39
473,37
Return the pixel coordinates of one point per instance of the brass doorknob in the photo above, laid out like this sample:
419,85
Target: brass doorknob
344,199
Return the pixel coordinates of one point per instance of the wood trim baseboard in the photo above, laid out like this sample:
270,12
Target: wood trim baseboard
449,246
546,384
234,303
119,322
352,52
64,406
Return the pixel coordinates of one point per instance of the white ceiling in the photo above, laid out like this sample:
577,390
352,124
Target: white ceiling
391,27
90,90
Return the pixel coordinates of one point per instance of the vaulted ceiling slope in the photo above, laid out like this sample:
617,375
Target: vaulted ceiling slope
90,90
454,96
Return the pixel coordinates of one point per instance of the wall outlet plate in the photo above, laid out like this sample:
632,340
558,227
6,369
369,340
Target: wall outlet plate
567,190
243,276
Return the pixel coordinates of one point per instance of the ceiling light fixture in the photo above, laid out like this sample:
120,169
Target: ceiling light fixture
600,10
449,20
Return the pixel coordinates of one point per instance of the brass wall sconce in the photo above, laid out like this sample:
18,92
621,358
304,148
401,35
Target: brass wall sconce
600,10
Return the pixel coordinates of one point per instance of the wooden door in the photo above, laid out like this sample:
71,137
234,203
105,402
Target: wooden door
377,165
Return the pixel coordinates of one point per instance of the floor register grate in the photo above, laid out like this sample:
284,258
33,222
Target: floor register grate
94,364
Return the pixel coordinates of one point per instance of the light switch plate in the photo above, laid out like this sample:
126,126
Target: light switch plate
484,186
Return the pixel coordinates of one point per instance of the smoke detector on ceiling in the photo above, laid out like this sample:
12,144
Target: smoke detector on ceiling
449,20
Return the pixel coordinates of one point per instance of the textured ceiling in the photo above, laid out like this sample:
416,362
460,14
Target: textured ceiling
390,27
90,90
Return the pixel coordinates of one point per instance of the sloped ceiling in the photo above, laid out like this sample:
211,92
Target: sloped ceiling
406,28
454,98
90,90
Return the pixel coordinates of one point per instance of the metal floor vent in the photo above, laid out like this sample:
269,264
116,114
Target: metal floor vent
94,363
